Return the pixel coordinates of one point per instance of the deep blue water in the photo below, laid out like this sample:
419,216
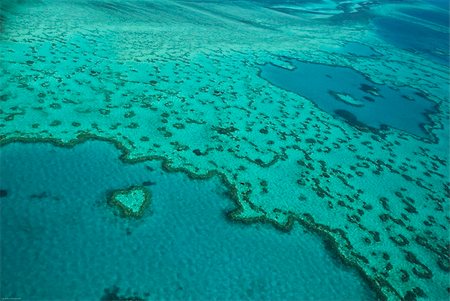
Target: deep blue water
445,4
61,241
432,44
402,108
438,17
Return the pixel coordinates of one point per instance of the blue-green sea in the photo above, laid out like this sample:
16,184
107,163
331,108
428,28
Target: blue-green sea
61,240
224,150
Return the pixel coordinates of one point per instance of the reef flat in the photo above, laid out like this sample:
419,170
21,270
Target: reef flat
179,81
131,201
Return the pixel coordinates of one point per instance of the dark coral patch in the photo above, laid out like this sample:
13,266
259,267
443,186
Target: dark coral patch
3,193
349,118
112,294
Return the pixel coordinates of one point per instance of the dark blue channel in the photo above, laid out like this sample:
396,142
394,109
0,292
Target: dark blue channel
377,106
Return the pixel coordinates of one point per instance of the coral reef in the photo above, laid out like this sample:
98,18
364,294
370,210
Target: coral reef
188,93
131,201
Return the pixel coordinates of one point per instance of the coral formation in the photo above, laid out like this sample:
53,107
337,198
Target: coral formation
131,201
188,93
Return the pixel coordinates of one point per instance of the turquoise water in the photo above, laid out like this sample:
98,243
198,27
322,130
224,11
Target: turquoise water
331,116
62,241
358,49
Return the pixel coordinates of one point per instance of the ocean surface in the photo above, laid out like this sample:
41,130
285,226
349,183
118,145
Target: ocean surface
224,150
62,241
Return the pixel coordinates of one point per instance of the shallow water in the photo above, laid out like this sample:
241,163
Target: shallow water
61,240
